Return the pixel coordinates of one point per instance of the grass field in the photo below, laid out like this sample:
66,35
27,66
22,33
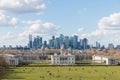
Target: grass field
64,73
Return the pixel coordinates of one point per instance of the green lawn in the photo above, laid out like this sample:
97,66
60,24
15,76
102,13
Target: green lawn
65,73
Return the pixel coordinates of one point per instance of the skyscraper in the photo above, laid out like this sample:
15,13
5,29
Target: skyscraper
66,42
71,42
39,42
51,43
110,46
61,39
85,43
45,44
97,45
75,42
35,43
30,42
57,43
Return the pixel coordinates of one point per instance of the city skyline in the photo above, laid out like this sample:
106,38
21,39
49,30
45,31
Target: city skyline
95,20
57,42
67,42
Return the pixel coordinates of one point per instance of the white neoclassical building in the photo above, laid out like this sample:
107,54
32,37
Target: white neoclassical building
11,60
63,59
108,60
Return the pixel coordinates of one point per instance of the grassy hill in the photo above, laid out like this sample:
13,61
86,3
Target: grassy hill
64,73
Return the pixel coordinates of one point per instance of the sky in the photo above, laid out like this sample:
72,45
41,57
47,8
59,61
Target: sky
97,20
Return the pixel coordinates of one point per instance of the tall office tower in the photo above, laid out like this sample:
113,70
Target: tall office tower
30,42
57,43
45,44
85,43
53,37
10,47
35,43
4,47
51,44
66,42
110,46
118,47
39,42
97,45
80,44
71,42
75,42
61,39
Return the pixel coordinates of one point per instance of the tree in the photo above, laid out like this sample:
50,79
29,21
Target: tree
3,67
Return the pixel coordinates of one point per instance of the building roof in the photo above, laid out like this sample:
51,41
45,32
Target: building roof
110,57
8,55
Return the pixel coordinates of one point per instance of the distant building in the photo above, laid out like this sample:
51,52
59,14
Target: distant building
30,42
110,46
63,59
85,43
66,42
118,47
45,44
11,60
57,43
75,42
108,60
37,43
97,45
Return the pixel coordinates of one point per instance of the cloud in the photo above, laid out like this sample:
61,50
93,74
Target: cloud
40,28
11,38
80,29
106,26
32,22
8,35
108,30
23,6
36,28
111,22
7,38
7,20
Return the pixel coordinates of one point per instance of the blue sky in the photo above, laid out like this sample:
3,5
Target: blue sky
98,20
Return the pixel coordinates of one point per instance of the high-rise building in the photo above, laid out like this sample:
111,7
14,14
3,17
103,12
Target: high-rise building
85,43
51,44
97,45
80,44
66,42
61,39
57,43
35,43
30,42
75,42
45,44
39,42
110,46
118,47
71,42
53,37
